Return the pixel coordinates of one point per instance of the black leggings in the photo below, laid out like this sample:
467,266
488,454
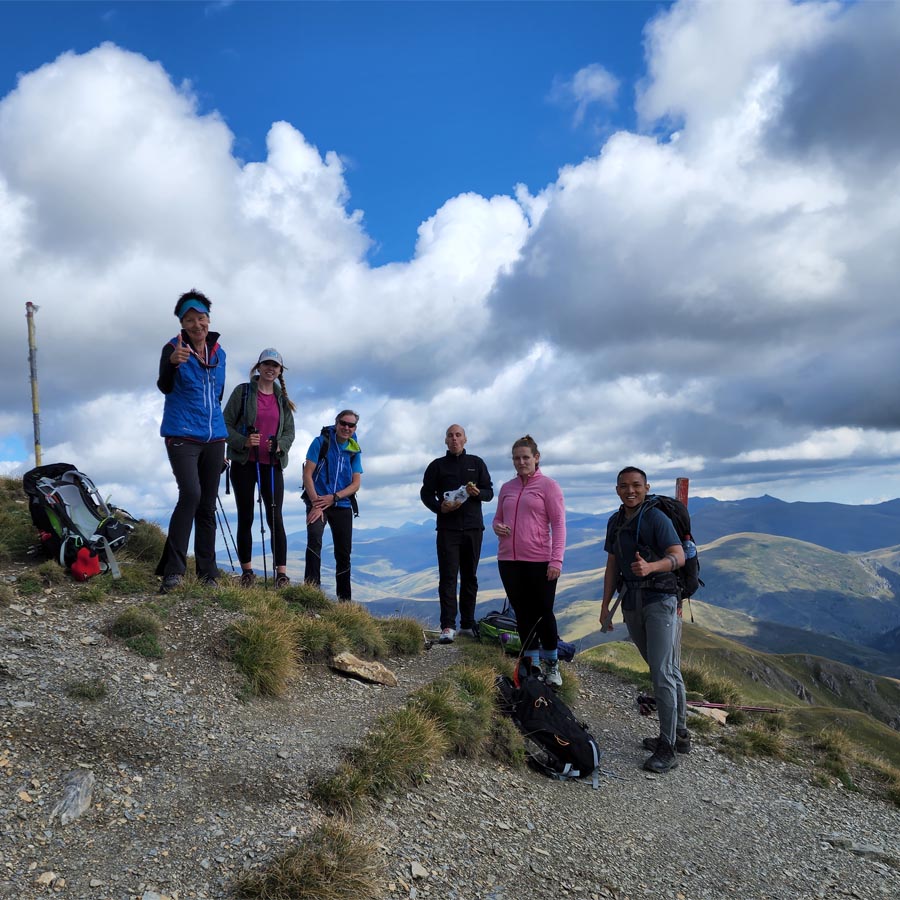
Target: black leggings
531,596
243,479
197,468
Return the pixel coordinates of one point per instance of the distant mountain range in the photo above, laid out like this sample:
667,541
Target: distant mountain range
819,578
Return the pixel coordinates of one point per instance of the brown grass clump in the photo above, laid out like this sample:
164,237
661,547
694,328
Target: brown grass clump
398,753
402,637
140,631
264,649
306,597
145,543
331,864
714,688
319,639
361,630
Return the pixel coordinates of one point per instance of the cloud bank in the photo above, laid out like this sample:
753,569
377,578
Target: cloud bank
711,296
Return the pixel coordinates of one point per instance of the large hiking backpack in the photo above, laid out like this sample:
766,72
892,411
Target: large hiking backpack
77,526
570,751
499,627
688,576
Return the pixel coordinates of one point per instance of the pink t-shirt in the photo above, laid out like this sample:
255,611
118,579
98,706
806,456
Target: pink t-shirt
267,416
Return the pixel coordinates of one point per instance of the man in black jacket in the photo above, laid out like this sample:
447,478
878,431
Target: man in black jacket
460,527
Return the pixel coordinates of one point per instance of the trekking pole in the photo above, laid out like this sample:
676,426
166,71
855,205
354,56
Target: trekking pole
604,627
272,446
228,528
227,548
262,516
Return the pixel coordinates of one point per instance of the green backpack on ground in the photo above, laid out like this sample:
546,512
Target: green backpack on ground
500,628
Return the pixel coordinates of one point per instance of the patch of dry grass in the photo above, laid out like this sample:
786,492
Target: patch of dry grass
331,864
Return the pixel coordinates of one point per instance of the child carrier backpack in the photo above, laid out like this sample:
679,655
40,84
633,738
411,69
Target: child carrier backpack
77,527
569,749
500,628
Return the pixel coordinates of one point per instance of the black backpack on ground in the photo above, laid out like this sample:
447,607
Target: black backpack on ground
67,509
687,578
570,751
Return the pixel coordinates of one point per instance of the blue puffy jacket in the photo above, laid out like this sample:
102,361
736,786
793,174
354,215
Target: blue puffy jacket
193,392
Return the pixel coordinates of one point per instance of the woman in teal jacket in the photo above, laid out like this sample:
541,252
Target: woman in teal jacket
259,416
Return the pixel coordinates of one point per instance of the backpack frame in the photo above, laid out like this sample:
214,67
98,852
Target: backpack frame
67,509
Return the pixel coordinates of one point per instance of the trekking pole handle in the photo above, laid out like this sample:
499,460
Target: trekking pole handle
604,627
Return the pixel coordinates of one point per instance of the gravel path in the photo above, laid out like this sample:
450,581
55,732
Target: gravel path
193,786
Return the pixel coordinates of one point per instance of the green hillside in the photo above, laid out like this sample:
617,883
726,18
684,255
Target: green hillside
813,691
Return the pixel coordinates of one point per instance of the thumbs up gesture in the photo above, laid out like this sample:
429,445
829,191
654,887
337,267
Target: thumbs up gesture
640,566
181,353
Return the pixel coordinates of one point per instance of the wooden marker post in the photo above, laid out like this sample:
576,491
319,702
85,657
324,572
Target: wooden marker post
30,310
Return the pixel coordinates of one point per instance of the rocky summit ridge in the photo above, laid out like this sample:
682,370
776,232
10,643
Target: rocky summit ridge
194,785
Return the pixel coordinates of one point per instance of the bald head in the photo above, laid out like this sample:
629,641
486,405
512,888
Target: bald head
456,439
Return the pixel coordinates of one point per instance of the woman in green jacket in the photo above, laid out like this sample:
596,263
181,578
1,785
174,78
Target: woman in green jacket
259,416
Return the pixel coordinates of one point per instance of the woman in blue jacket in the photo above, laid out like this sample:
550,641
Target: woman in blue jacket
192,376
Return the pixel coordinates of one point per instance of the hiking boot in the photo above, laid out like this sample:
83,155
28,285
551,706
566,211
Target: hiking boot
663,758
248,578
447,636
170,583
682,743
552,674
468,632
281,581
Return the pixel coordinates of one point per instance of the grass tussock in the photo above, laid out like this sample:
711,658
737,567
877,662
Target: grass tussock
462,702
146,543
264,650
137,578
754,741
29,585
51,573
887,775
92,689
398,753
231,597
363,635
331,864
319,639
17,533
7,595
702,724
306,597
95,590
835,756
140,630
343,792
402,637
506,742
714,688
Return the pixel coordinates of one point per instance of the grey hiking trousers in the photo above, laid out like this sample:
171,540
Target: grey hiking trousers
656,631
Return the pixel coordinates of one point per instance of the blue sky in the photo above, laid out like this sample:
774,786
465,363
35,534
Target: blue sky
651,234
463,89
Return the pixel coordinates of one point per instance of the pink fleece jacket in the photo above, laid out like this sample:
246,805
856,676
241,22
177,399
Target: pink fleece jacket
536,514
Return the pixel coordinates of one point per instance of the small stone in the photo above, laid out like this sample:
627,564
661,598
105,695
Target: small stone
418,871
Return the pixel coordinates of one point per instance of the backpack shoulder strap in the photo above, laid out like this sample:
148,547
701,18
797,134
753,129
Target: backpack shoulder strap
245,393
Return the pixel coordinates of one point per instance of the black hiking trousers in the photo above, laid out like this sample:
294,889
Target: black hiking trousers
243,480
340,521
458,553
197,468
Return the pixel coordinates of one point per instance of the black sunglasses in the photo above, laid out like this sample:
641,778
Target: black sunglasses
346,424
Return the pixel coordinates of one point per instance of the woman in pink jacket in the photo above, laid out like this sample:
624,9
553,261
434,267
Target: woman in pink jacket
531,524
